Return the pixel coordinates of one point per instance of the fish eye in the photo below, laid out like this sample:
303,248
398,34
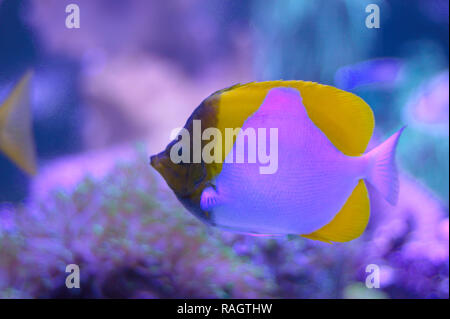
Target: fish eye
180,151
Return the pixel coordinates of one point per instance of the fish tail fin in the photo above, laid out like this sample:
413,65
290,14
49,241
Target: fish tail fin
16,139
382,169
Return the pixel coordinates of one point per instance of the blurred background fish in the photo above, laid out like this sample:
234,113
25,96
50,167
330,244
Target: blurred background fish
428,108
378,73
129,73
16,140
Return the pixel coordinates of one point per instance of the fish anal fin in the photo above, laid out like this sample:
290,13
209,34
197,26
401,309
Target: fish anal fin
350,222
317,237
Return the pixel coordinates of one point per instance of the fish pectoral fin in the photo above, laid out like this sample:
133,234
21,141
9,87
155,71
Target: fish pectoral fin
208,199
350,222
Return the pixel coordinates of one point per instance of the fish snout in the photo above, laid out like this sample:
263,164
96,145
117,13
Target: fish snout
155,162
159,162
163,164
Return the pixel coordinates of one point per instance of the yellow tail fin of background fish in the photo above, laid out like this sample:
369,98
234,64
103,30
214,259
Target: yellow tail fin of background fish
345,119
16,139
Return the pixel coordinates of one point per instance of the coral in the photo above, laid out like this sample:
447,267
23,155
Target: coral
129,237
132,239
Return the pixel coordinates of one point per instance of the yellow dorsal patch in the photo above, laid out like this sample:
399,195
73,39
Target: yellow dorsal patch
343,117
16,139
351,220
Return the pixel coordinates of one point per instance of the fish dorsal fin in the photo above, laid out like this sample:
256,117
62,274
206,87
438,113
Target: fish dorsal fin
351,220
343,117
16,139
